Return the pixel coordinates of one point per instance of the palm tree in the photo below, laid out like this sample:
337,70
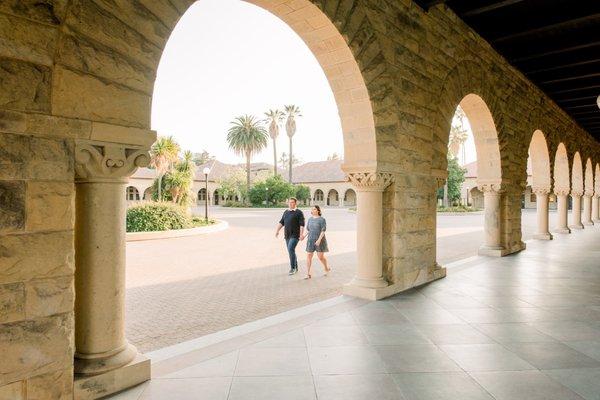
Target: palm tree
247,137
163,154
181,178
291,112
274,118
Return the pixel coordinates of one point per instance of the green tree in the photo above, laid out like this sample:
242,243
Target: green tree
274,119
456,177
232,184
163,154
203,157
274,190
302,192
291,112
247,137
180,178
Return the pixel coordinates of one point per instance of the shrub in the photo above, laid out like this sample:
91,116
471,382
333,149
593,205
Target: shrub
147,217
232,203
278,191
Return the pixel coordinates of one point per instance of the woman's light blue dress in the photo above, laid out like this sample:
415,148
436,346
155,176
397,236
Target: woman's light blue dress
315,226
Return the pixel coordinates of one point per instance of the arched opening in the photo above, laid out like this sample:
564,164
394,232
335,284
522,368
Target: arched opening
333,198
202,195
473,183
562,188
318,197
537,194
596,196
588,193
577,190
148,194
350,198
132,194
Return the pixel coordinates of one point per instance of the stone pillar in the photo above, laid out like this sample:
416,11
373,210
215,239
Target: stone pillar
369,280
541,196
562,209
576,196
595,209
492,196
102,172
587,209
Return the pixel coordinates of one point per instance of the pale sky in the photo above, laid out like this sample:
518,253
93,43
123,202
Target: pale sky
226,58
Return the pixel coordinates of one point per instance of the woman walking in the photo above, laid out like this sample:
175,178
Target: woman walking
315,229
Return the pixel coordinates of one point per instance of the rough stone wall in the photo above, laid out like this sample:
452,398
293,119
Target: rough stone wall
85,69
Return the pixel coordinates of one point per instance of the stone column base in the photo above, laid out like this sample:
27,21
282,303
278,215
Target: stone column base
98,386
588,223
596,221
543,236
576,226
367,293
563,231
492,251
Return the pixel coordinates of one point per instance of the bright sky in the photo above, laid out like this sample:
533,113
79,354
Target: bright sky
227,58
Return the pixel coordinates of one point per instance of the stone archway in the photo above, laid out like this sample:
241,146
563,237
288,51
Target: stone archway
318,197
541,184
350,198
588,193
562,187
577,190
333,198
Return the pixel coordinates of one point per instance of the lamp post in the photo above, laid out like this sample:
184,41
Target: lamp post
266,197
206,172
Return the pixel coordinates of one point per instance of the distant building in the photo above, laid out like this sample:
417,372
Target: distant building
471,195
325,179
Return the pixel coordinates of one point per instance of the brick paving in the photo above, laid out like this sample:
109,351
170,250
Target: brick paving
183,288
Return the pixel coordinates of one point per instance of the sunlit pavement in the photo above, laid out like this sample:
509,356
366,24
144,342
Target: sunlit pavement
183,288
525,326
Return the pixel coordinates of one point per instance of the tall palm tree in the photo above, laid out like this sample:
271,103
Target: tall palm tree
291,112
274,118
163,154
247,137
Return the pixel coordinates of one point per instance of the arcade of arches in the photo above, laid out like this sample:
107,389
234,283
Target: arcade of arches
77,81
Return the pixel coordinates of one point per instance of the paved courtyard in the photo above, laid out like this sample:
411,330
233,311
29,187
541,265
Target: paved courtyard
523,327
183,288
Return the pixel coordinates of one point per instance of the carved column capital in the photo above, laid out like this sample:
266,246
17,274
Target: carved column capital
370,181
108,162
576,193
562,192
491,188
540,191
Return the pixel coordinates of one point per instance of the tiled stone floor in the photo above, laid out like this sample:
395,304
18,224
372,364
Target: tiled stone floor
522,327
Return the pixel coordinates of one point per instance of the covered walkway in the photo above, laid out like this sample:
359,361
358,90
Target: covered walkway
526,326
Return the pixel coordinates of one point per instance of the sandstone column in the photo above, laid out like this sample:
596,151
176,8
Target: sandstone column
369,237
542,214
576,196
595,209
492,196
562,209
102,171
587,209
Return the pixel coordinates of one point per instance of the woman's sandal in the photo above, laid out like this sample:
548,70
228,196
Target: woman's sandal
307,277
327,271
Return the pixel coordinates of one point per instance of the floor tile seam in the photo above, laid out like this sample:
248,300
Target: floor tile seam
237,360
310,365
563,385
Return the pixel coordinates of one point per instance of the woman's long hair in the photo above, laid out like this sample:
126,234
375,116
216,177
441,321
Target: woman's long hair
318,209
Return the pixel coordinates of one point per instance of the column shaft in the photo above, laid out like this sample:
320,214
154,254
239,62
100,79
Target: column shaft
492,222
595,209
587,210
576,211
542,216
562,209
369,237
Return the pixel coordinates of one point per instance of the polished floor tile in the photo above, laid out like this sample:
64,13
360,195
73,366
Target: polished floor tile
222,366
485,357
345,360
357,387
440,386
454,334
416,358
273,388
584,382
552,356
394,334
272,361
513,333
187,389
325,336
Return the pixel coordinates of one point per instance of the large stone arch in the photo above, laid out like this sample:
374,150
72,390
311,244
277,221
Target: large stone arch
123,68
588,178
562,178
540,162
577,181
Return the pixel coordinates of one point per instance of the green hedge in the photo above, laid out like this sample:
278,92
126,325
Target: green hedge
148,217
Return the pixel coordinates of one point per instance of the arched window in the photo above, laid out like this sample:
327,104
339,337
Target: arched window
132,193
202,195
319,196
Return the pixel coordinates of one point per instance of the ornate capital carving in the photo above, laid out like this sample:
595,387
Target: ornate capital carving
107,162
540,191
370,181
491,188
576,193
562,192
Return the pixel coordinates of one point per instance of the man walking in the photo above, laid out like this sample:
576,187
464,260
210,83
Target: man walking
292,221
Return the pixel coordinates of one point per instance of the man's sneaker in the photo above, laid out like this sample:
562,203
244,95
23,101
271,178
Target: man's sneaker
292,271
295,270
